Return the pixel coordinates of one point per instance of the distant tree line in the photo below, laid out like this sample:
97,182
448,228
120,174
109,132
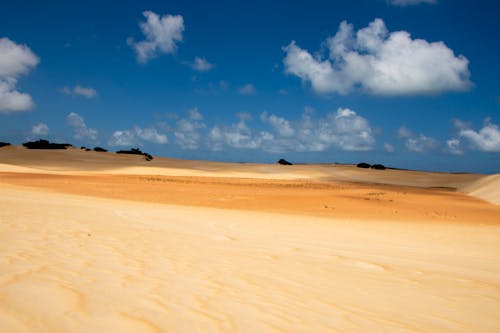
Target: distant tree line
45,144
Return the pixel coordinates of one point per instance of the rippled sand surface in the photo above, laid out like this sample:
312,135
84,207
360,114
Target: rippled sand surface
183,246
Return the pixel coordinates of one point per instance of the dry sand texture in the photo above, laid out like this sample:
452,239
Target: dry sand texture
106,243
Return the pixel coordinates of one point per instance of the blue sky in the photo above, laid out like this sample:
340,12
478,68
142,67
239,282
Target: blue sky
406,83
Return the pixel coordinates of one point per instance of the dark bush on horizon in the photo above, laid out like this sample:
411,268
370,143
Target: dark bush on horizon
136,151
45,144
99,149
4,144
378,167
363,165
284,162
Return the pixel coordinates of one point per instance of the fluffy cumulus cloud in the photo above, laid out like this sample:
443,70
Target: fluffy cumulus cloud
15,60
137,135
487,139
247,89
161,33
81,131
187,132
87,92
379,62
403,3
201,65
238,136
343,129
40,129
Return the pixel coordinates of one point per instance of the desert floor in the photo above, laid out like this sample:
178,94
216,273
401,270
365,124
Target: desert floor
97,242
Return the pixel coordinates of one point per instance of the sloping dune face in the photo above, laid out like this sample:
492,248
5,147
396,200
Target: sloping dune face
486,188
97,242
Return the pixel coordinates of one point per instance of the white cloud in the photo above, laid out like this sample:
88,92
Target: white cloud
389,148
247,89
421,144
237,135
202,65
162,33
487,139
15,60
136,136
123,138
150,135
379,62
12,100
281,125
403,3
453,147
187,131
81,131
87,92
194,114
343,129
40,129
404,132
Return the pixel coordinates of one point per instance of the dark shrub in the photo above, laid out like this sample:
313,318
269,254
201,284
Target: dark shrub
3,144
284,162
99,149
136,151
363,165
44,144
378,167
133,151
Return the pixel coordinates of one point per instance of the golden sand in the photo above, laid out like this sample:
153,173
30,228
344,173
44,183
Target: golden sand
95,242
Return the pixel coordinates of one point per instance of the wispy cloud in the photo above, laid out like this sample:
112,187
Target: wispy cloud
247,89
201,65
87,92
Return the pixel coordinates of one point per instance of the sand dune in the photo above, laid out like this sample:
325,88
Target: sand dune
486,188
93,242
74,264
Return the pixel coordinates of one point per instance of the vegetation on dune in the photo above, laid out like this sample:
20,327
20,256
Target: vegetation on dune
3,144
363,165
136,151
378,167
45,144
284,162
368,166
